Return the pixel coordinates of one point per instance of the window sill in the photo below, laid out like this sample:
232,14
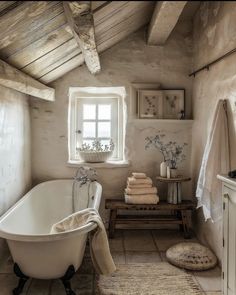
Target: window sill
108,164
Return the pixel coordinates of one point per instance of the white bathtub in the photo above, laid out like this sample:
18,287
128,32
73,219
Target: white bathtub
26,227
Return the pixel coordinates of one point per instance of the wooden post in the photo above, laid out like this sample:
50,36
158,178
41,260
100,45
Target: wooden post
112,223
186,227
80,19
164,19
15,79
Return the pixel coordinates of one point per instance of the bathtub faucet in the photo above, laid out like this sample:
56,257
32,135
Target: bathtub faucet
85,174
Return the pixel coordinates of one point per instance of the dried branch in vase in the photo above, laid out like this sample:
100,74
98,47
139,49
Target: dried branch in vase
172,152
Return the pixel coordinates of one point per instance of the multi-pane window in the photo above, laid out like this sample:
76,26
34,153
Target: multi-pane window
95,117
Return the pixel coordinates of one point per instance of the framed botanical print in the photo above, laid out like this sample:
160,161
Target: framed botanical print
150,104
134,101
173,104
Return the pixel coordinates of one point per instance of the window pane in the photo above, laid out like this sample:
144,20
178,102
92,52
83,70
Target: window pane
89,129
89,111
104,129
88,141
104,112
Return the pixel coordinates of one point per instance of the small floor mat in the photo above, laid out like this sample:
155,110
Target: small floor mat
147,279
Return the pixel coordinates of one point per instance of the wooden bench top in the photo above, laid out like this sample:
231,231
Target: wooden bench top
162,205
173,180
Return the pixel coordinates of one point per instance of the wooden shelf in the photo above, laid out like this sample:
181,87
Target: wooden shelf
162,205
139,219
175,121
173,180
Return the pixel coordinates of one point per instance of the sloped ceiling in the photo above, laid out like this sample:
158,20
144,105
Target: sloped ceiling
36,39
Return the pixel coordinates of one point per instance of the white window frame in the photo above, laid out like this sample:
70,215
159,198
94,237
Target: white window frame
95,95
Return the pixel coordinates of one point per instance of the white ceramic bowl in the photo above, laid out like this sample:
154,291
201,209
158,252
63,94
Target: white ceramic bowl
95,157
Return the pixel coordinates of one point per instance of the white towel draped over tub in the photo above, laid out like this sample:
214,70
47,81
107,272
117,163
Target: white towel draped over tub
99,246
215,160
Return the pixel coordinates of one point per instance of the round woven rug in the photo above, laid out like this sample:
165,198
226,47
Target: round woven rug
147,279
192,256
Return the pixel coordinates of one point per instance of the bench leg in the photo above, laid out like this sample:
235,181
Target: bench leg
112,223
186,225
179,216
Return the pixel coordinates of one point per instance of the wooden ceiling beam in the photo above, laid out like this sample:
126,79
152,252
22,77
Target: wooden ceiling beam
12,78
164,19
134,16
80,19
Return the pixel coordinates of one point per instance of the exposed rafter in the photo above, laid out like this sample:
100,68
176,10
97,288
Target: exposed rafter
12,78
164,19
80,19
36,37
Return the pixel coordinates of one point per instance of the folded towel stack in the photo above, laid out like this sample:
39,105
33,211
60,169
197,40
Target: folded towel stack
140,190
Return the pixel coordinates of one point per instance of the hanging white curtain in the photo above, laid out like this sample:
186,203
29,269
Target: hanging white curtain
215,161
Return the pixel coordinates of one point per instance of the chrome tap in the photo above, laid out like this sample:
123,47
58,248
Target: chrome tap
85,174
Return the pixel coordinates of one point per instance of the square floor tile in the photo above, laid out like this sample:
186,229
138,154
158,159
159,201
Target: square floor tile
142,257
139,240
86,266
164,239
81,284
210,280
163,234
118,257
8,282
39,287
117,243
6,264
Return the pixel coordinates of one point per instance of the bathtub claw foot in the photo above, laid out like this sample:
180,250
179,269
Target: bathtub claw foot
66,280
68,289
22,280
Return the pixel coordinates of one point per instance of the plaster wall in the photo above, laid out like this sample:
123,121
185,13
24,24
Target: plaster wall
15,162
129,61
214,35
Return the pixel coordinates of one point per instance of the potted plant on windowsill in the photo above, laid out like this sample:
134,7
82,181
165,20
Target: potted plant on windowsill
97,153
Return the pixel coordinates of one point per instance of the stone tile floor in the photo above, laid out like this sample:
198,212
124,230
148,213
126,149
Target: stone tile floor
128,246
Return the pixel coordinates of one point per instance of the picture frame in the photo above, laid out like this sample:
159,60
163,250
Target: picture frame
134,88
150,104
174,104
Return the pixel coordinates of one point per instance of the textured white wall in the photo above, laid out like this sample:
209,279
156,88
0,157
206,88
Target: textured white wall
214,35
15,162
129,61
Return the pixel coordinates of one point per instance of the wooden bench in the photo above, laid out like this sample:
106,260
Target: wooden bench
179,214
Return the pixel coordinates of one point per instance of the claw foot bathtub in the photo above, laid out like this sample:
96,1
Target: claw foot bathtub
26,227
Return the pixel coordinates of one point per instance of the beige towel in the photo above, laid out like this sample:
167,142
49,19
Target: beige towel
140,191
132,180
139,175
142,185
99,246
216,160
141,199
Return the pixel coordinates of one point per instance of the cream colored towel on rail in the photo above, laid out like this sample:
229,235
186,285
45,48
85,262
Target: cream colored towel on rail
139,175
215,161
140,191
133,181
141,199
99,246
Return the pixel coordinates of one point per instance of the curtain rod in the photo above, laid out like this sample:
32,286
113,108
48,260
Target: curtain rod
207,66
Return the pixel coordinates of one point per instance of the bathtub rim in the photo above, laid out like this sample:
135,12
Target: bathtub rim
43,237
